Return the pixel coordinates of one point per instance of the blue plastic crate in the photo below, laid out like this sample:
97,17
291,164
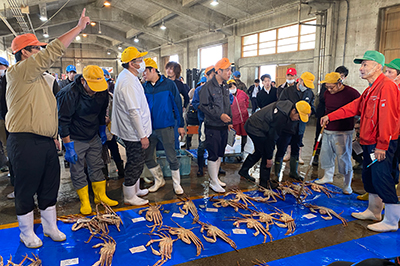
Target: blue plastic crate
184,159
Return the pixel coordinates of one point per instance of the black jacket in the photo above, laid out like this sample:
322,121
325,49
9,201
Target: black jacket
183,92
284,86
80,115
214,101
264,98
320,112
269,122
291,93
64,83
251,89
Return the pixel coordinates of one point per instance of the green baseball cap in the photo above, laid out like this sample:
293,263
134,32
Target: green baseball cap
371,56
395,64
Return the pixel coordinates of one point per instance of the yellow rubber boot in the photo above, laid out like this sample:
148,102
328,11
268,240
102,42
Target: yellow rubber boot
83,194
363,196
99,190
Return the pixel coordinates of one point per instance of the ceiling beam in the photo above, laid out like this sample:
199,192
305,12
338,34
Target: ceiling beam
158,17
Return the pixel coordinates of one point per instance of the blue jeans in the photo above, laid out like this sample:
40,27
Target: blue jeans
377,178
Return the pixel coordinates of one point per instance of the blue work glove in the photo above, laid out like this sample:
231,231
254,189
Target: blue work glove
70,154
103,135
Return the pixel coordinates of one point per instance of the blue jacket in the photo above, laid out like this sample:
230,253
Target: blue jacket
196,103
165,103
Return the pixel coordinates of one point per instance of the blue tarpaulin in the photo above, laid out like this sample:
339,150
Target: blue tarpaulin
134,234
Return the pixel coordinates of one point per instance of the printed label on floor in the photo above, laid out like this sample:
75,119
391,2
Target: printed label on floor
69,262
211,210
178,215
139,219
309,216
238,231
137,249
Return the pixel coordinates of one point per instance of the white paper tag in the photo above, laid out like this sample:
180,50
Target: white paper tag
238,231
69,262
178,215
309,216
211,210
137,249
372,155
139,219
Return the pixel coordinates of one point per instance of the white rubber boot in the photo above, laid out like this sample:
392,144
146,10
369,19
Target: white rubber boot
328,176
301,161
213,168
140,192
158,178
49,223
390,221
287,155
130,197
176,182
374,210
222,184
147,180
347,183
27,235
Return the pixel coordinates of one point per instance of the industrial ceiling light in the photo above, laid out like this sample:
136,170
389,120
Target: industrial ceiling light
136,40
93,23
120,47
108,52
43,12
78,38
162,26
46,32
214,3
99,28
84,35
107,4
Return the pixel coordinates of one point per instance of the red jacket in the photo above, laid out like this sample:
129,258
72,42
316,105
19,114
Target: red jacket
239,107
379,109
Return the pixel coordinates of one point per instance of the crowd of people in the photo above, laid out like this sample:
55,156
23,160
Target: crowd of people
146,109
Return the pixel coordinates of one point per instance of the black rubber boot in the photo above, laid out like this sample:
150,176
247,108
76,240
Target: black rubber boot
264,176
244,140
105,172
200,163
294,163
315,160
244,171
120,168
278,167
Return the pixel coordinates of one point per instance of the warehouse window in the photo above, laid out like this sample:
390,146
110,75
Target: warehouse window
174,58
210,55
285,39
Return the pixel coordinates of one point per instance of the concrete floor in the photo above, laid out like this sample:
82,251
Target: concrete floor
68,203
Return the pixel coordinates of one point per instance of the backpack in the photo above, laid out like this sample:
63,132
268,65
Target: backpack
191,117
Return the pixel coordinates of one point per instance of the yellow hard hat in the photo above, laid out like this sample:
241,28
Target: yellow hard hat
131,53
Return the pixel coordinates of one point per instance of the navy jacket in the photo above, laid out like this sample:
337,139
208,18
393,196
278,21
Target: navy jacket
80,115
165,103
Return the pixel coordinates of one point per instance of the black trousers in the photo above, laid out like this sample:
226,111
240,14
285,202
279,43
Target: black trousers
260,151
113,147
253,104
135,157
216,141
36,170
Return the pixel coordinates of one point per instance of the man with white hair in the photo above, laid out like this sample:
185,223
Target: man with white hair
379,130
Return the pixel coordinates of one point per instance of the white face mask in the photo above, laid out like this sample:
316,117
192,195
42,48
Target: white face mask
302,88
2,72
233,91
142,67
290,81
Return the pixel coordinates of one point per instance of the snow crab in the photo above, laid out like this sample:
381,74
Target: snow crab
153,214
188,205
326,211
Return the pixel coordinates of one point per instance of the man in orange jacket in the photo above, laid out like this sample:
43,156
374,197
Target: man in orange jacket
379,130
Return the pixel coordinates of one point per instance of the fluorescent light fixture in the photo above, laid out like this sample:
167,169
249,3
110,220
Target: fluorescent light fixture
107,4
214,3
162,26
43,18
78,38
136,39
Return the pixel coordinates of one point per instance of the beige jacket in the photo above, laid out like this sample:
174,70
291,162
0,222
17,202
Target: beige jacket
32,107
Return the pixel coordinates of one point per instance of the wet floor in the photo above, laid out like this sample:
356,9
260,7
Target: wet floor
68,203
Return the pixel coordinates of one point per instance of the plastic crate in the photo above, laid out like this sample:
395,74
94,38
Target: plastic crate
184,159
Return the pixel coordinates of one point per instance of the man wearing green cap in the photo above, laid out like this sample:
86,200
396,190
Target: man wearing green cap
379,130
81,117
337,138
393,69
